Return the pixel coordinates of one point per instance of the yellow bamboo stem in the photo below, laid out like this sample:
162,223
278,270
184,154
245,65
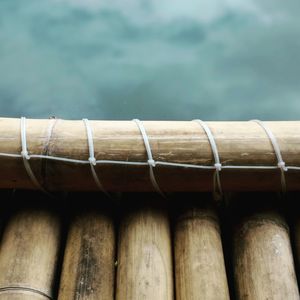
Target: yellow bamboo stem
144,256
89,261
239,143
28,256
199,262
263,260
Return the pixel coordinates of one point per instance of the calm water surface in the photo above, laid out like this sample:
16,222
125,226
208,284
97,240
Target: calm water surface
172,59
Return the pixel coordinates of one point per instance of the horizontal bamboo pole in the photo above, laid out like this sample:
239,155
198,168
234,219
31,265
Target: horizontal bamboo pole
199,262
263,259
29,255
89,261
239,143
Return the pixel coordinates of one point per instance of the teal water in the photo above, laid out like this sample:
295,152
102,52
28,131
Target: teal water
172,59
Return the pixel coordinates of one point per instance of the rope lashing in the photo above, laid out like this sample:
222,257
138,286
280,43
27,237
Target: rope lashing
151,162
92,160
26,157
218,193
280,162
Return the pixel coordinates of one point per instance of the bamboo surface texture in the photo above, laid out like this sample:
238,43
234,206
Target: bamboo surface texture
199,262
89,260
145,256
29,256
263,259
239,144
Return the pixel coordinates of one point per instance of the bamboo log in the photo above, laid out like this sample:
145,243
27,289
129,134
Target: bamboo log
263,260
239,143
199,262
28,256
89,261
144,256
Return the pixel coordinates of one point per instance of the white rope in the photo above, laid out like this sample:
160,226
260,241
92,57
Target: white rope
218,166
139,163
151,162
280,162
92,160
26,157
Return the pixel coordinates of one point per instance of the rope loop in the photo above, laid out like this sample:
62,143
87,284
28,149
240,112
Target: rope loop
218,192
151,162
280,162
92,160
26,157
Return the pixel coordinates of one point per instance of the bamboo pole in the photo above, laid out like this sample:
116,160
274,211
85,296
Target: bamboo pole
199,262
263,260
144,256
89,261
239,143
28,256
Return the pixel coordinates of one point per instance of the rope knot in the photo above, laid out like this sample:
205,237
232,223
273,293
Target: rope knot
151,162
282,166
218,167
92,161
25,154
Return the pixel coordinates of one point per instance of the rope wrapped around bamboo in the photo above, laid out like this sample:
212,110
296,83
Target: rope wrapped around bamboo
239,144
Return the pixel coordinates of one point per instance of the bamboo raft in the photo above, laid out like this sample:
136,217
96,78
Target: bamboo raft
133,244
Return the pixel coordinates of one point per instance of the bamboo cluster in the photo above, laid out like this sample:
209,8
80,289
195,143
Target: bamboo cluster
150,250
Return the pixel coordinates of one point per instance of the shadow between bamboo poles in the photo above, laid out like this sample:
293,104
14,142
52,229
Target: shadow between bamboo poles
29,254
144,251
89,260
262,255
297,245
199,261
294,218
5,196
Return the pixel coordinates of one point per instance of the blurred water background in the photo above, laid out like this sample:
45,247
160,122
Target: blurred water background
151,59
